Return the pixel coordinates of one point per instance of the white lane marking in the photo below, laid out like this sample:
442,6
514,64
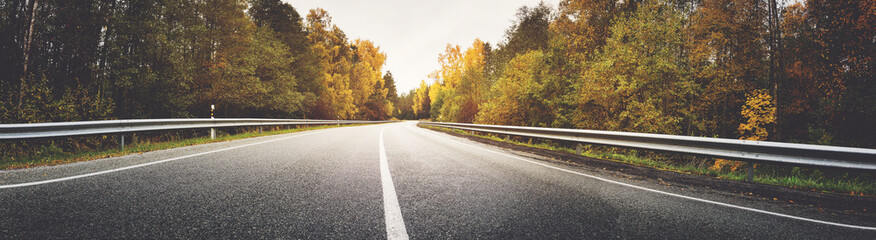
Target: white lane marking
662,192
142,165
395,224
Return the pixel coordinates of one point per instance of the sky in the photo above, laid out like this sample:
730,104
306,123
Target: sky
413,32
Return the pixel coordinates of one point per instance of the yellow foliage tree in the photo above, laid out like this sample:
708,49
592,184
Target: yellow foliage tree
459,83
422,101
515,96
366,81
584,24
330,45
759,112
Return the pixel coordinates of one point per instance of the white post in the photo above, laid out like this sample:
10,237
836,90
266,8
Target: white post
212,130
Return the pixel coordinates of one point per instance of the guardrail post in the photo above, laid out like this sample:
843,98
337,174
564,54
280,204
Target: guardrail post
260,130
578,148
122,141
750,172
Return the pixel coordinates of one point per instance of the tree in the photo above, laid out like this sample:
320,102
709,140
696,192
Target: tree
26,53
474,84
230,76
329,43
516,98
727,55
392,92
368,86
584,24
422,103
405,106
154,59
530,31
289,29
637,82
460,83
830,48
366,82
805,96
272,61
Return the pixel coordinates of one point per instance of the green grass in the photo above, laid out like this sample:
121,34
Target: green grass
793,177
52,154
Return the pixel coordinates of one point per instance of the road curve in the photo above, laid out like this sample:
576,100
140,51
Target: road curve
334,183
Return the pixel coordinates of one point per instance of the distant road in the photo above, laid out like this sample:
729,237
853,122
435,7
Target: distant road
331,184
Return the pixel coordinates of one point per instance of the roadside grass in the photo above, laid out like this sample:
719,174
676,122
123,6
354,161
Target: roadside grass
863,184
51,153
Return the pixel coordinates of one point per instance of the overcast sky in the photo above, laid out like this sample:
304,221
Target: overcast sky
413,32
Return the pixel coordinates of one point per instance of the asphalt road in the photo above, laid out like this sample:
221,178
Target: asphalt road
331,184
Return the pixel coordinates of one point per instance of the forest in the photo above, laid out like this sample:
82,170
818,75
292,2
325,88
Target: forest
746,69
120,59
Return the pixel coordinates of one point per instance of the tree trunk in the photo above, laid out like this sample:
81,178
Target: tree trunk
26,54
776,67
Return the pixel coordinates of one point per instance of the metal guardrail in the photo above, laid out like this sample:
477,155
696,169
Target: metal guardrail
66,129
735,149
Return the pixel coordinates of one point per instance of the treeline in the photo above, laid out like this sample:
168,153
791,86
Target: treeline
118,59
720,68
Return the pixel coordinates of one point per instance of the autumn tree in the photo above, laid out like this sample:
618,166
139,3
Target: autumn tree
806,96
460,83
422,104
446,79
366,80
727,59
331,46
829,72
369,90
637,82
584,24
516,98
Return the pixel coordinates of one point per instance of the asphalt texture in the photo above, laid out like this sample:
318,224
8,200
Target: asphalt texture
326,184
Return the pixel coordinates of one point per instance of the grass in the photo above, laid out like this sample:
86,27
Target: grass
863,184
52,154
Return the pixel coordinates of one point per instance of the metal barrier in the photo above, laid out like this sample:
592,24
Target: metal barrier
67,129
735,149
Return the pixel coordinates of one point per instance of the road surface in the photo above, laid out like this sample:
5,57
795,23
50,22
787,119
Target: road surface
376,182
